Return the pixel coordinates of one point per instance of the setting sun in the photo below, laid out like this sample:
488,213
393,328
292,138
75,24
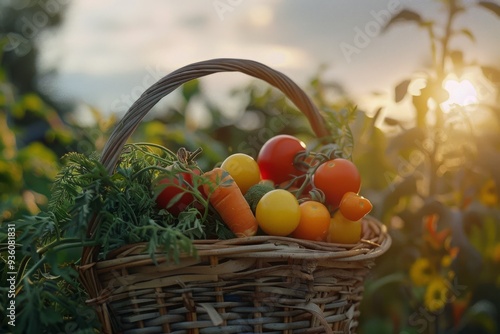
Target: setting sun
462,93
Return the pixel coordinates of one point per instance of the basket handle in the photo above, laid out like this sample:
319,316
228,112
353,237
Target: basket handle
127,125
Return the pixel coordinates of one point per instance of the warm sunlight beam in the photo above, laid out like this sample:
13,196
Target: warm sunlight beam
462,93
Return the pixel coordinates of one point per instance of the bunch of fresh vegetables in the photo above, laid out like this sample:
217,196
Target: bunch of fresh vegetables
165,201
287,190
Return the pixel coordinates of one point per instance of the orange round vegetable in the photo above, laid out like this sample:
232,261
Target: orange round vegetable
354,206
226,198
278,212
314,221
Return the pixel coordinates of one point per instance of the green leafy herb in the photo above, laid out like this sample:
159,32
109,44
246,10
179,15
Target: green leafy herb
341,135
90,207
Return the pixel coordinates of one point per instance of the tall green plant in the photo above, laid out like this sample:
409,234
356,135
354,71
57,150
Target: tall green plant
441,198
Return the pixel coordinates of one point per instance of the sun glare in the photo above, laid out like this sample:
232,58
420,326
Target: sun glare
462,93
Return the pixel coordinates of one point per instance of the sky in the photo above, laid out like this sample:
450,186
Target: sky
107,52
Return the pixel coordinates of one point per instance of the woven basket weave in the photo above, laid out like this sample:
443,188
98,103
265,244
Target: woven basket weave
260,284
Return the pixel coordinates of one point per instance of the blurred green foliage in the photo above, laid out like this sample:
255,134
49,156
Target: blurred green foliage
25,171
440,198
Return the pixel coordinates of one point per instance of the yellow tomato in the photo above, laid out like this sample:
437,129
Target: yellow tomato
278,212
343,230
243,169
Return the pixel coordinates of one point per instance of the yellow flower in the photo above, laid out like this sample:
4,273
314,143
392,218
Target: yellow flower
495,253
488,193
421,272
33,102
446,261
436,294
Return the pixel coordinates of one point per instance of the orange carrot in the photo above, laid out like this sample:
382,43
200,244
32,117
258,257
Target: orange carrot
226,198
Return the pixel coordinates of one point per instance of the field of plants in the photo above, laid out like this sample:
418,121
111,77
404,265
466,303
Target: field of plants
431,180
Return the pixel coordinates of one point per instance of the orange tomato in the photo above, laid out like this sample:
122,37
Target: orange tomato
314,221
354,206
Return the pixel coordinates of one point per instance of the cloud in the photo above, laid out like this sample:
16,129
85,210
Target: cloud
119,39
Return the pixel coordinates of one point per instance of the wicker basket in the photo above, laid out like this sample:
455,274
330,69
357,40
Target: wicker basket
260,284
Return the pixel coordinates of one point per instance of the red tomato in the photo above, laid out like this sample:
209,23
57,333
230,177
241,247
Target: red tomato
175,186
335,178
276,158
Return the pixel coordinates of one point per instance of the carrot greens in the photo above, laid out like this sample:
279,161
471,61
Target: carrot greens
121,209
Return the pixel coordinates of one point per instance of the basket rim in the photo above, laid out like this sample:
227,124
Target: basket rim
378,241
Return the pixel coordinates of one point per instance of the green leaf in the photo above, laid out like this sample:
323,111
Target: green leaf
32,102
401,90
482,314
391,121
377,325
407,140
190,89
457,57
341,138
483,237
467,33
175,199
395,278
492,74
491,6
38,158
393,194
404,16
51,317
